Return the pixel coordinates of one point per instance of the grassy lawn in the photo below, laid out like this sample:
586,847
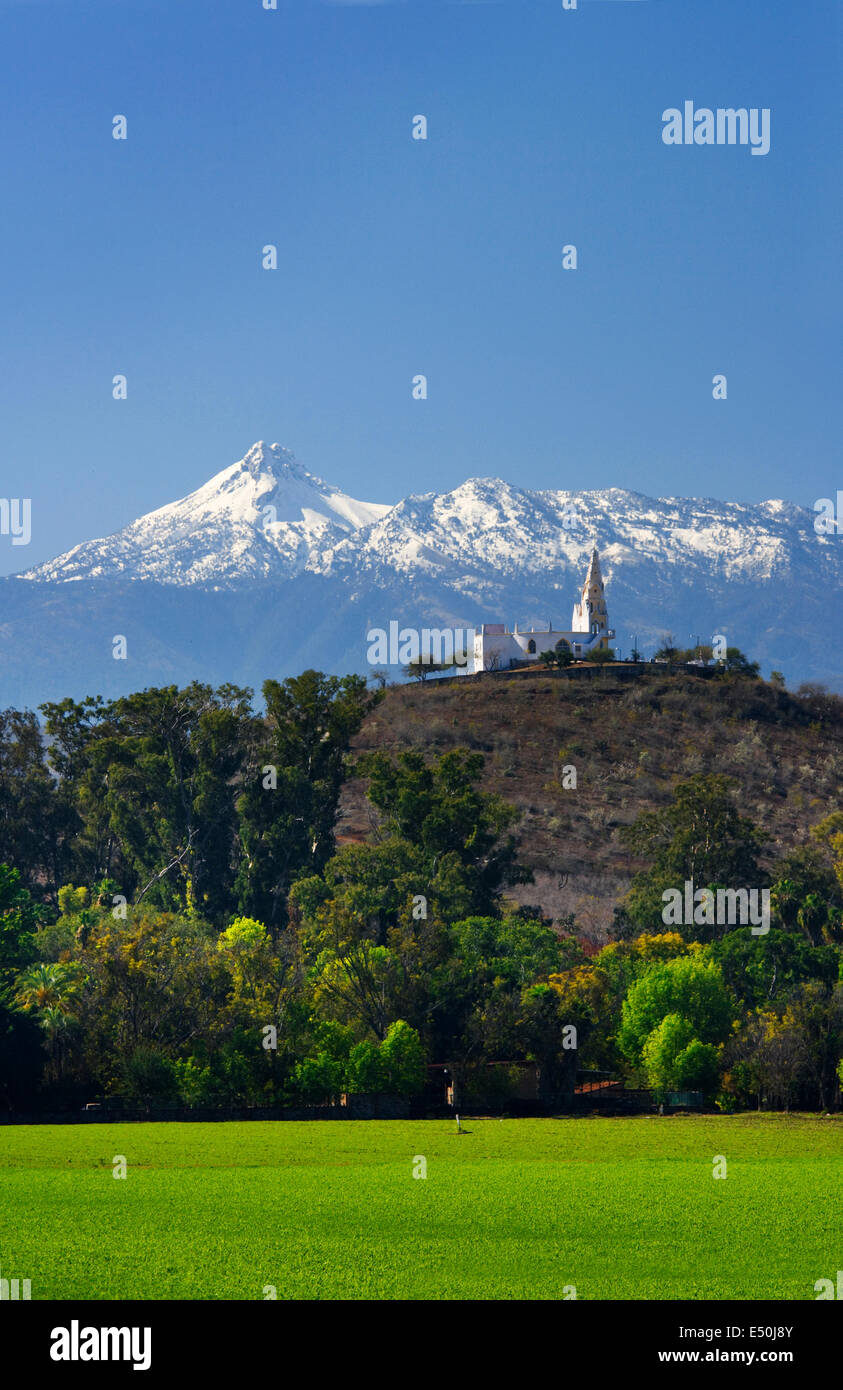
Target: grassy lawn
620,1208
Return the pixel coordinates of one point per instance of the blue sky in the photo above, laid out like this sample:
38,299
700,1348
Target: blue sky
397,257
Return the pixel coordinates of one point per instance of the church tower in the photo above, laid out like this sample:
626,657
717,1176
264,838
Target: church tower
590,613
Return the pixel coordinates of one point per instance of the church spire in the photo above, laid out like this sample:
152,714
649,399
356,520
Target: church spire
590,613
594,576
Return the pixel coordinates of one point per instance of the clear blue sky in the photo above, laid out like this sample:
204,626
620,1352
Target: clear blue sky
397,257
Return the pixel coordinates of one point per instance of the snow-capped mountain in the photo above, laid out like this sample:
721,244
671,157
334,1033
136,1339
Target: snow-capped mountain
261,517
486,530
266,517
267,569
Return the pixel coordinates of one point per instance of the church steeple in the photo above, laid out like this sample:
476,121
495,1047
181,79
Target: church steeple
495,647
590,613
594,579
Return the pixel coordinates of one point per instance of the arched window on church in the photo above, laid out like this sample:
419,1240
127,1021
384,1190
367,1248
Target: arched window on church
595,627
531,647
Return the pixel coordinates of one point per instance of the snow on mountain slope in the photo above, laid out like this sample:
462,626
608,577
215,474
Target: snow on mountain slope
180,580
486,532
266,517
263,516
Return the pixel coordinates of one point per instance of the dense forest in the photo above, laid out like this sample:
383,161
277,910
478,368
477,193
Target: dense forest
180,922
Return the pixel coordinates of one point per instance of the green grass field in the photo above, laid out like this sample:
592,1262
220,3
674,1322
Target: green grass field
619,1208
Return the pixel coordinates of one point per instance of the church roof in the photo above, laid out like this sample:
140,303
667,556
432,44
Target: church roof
593,576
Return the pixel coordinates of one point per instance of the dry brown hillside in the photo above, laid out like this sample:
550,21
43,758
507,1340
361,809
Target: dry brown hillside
630,742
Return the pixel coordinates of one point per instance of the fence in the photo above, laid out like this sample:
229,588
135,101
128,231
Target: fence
350,1107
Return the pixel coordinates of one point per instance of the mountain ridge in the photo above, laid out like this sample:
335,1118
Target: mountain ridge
321,528
266,569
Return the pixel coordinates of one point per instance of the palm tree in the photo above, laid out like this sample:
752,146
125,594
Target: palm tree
48,989
55,1024
46,985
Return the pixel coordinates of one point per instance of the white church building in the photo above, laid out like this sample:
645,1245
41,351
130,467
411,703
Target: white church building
496,648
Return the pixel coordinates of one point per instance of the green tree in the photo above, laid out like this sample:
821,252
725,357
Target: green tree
513,950
592,991
20,1052
425,665
560,655
321,1075
662,1047
154,981
698,1068
18,920
81,734
365,1072
265,991
739,665
147,1075
72,899
295,769
767,1059
677,1061
460,830
151,781
403,1059
484,1011
318,1079
35,824
806,895
171,795
701,837
691,988
541,1034
47,984
816,1009
353,976
759,970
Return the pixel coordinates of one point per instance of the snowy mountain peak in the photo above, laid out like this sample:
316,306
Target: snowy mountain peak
262,515
273,460
266,517
484,551
263,458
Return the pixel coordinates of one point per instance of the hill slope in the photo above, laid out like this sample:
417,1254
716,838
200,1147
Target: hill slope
630,742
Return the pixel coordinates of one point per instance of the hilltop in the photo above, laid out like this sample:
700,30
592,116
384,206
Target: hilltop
630,742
